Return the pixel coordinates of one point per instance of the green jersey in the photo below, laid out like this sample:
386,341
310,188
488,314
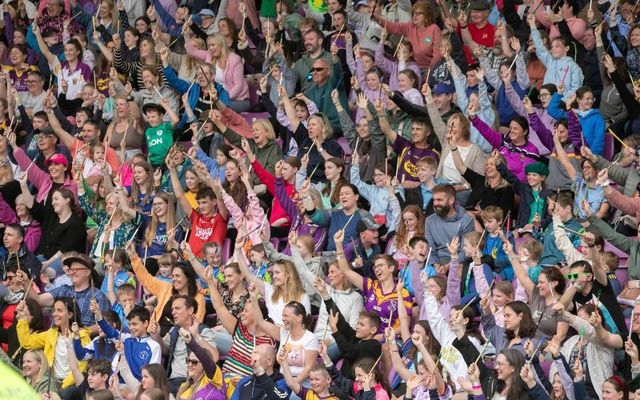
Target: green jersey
159,141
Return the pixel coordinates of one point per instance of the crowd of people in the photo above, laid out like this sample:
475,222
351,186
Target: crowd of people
322,199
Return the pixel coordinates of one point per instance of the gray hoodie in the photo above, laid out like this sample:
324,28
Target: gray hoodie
439,232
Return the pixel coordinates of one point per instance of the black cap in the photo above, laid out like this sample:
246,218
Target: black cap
153,107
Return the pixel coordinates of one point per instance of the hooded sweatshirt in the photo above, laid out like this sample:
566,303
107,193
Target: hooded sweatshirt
591,122
440,231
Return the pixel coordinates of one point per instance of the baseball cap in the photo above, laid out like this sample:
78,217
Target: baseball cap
57,159
479,5
367,223
442,88
205,12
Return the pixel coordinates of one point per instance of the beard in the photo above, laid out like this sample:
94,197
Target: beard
442,211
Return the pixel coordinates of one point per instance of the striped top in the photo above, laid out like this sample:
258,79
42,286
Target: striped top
238,360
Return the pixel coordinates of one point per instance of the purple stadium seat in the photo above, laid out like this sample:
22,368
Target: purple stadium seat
608,146
251,117
226,250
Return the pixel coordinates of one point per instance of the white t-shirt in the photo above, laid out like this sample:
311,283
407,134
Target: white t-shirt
297,349
276,308
60,359
449,170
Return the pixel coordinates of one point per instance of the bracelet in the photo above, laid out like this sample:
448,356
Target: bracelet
340,254
456,149
476,387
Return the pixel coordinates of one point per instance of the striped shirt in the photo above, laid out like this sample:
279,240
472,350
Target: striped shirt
238,360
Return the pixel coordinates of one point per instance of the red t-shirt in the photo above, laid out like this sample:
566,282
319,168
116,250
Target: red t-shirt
205,230
483,36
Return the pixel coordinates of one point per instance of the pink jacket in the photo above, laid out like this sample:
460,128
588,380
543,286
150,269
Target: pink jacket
233,82
627,205
254,216
425,41
233,11
32,234
40,179
236,123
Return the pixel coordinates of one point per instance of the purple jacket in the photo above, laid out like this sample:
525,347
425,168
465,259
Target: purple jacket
302,228
391,67
542,114
40,179
517,157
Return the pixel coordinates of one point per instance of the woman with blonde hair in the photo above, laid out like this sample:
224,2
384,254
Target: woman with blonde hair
229,70
35,368
412,226
313,140
286,285
126,125
114,226
262,145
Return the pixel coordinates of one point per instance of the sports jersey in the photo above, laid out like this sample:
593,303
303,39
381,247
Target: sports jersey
384,304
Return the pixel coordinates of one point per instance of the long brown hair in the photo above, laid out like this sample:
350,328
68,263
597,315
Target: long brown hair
292,289
148,184
150,233
335,194
402,233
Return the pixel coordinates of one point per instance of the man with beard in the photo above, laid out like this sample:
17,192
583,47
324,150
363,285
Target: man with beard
449,220
302,68
90,134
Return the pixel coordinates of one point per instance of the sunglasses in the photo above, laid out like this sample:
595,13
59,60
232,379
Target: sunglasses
192,362
318,69
575,275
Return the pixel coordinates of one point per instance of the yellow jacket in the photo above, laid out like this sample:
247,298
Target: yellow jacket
162,290
47,342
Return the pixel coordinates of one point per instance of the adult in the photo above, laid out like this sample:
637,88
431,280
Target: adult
449,220
46,146
62,226
52,341
183,311
422,32
73,71
228,70
125,128
182,283
16,251
133,69
36,370
83,276
312,41
314,140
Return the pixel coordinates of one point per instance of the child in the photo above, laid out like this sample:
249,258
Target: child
122,302
138,348
260,264
98,370
319,375
216,166
417,263
421,196
363,381
610,263
115,262
354,345
92,171
561,208
165,267
533,195
159,135
385,206
561,69
100,347
474,262
493,221
529,255
501,294
102,394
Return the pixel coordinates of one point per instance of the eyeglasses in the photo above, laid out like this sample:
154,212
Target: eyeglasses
192,362
543,95
587,100
74,270
318,69
10,277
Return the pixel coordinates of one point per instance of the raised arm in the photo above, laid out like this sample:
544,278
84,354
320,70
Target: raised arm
521,274
351,275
